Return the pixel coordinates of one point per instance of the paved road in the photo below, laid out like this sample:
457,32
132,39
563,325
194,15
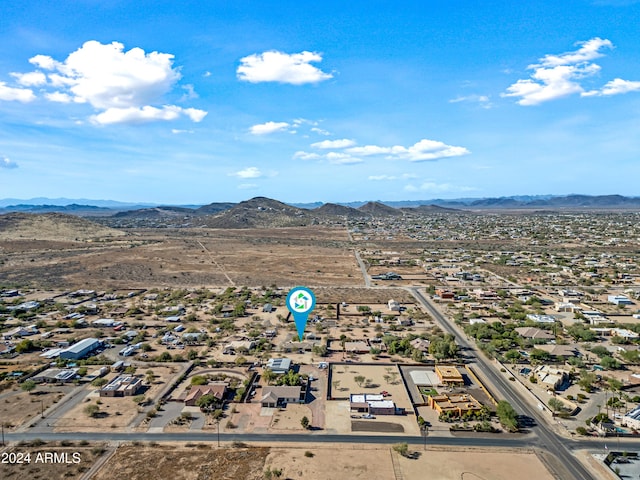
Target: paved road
566,466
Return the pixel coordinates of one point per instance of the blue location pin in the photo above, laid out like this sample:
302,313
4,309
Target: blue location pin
300,302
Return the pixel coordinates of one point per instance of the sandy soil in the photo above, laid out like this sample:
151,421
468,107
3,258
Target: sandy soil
16,406
288,419
60,470
198,257
338,411
115,412
470,464
355,462
198,462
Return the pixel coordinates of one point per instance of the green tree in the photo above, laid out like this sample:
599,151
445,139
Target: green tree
507,415
268,375
207,402
92,410
556,405
513,355
609,363
359,379
139,399
99,382
304,421
198,380
401,449
28,386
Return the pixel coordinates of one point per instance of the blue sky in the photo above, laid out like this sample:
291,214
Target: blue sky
194,102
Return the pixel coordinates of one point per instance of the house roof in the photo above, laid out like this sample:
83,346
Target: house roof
277,392
218,390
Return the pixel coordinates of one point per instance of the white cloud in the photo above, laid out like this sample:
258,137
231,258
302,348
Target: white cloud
121,85
268,127
336,158
306,155
482,100
177,131
6,162
18,94
404,176
320,131
249,172
58,97
145,114
275,66
31,79
328,144
589,50
616,86
194,114
421,151
558,76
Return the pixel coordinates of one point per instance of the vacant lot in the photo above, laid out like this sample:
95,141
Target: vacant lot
184,258
199,462
16,406
63,469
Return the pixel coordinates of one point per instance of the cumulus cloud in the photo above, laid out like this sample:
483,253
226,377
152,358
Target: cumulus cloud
122,86
423,150
268,127
275,66
31,79
557,76
249,172
23,95
337,158
320,131
615,87
332,144
6,162
302,155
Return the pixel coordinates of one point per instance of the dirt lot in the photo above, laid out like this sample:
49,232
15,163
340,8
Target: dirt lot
188,257
60,470
115,412
16,406
358,463
338,412
199,462
475,464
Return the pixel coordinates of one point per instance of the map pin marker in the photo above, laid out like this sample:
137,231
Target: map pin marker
300,303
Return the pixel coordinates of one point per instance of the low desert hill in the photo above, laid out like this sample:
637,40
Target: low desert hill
335,210
377,209
260,212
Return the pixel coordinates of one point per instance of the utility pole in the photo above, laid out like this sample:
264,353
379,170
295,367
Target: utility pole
41,408
218,424
425,433
2,426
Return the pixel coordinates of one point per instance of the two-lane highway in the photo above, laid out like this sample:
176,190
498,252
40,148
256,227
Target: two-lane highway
566,466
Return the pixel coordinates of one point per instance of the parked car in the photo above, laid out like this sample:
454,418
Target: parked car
356,416
368,416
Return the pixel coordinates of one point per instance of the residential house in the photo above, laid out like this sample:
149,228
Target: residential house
280,396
